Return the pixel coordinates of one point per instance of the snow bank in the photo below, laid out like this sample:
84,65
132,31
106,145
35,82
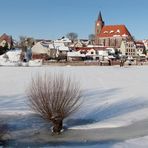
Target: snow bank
38,62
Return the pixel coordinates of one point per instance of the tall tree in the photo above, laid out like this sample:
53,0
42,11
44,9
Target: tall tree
26,42
72,36
30,42
4,49
23,43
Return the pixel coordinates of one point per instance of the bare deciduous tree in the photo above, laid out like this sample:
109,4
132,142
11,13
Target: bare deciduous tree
72,36
54,97
26,42
23,43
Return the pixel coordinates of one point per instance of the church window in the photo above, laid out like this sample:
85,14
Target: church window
111,31
105,31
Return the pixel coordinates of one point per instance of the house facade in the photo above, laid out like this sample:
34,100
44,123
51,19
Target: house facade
40,51
141,49
146,44
6,39
128,48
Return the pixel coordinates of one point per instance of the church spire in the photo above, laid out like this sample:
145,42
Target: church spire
99,25
100,17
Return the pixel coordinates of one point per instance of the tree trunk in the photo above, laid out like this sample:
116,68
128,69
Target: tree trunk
57,125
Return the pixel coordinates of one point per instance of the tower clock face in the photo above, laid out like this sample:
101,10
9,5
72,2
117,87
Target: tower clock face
98,24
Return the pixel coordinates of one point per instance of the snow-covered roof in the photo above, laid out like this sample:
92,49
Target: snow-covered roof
75,54
111,30
124,35
13,55
66,40
116,35
63,40
63,48
40,48
118,31
51,46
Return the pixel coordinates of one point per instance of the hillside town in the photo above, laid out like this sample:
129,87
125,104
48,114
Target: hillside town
109,45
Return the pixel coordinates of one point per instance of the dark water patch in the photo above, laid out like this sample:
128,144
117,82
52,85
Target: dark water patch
22,122
77,122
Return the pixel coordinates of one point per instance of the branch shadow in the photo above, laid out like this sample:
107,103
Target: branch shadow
101,113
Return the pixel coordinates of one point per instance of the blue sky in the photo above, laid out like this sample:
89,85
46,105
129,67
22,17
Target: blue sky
52,19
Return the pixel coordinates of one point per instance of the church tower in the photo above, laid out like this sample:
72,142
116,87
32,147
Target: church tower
99,24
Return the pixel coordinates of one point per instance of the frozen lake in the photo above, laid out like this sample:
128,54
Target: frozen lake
114,108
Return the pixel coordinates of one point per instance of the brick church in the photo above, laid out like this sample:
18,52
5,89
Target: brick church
110,35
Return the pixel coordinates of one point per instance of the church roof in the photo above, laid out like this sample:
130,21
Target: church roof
114,31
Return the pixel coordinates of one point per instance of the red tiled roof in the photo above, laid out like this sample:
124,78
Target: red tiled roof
114,30
7,38
139,42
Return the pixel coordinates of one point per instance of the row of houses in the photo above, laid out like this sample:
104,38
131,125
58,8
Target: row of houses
64,49
82,51
133,48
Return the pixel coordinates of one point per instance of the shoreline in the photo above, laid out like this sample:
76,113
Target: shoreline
34,131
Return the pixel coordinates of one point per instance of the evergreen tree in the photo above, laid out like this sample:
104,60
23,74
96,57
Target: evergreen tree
4,49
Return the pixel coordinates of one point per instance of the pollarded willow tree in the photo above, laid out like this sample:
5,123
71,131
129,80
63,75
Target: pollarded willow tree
54,97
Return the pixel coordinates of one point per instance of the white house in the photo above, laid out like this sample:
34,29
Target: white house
40,51
140,47
146,44
40,48
128,48
75,55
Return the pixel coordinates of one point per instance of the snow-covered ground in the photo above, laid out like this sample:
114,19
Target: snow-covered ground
113,97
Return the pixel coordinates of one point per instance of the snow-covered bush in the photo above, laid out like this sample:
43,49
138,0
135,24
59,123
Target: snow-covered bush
54,97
